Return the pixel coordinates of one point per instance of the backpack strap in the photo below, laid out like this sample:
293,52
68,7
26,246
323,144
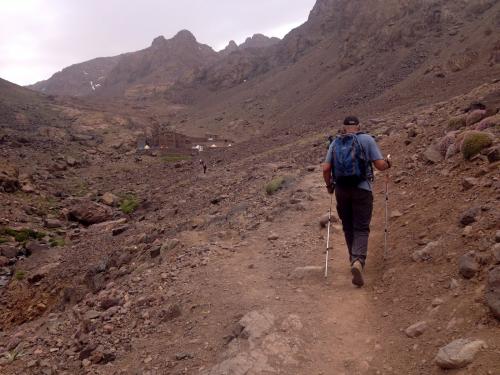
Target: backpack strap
368,163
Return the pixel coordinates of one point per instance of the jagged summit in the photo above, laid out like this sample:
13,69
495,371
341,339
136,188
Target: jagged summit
159,40
259,41
231,47
185,35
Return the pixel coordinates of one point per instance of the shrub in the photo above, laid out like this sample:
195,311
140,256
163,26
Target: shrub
174,158
20,275
3,240
129,204
55,242
24,234
457,122
275,185
474,142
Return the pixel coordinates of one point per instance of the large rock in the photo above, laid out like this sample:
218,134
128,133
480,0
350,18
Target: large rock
493,292
109,199
432,155
468,266
87,212
470,216
416,329
256,324
8,251
9,178
474,117
458,353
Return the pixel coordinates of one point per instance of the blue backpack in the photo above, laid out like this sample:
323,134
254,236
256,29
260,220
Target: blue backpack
351,165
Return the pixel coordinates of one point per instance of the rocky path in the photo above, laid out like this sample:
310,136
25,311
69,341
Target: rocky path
295,321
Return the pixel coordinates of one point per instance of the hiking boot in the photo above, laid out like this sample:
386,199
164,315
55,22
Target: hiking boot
357,274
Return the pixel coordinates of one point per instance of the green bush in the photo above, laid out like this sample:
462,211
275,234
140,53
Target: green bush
55,242
275,185
3,240
20,275
129,204
24,234
457,122
474,142
174,158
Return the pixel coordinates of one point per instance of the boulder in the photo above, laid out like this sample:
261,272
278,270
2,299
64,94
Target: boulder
468,266
474,117
493,292
470,216
488,122
87,212
256,324
52,223
9,178
109,199
8,251
458,353
432,155
170,244
416,329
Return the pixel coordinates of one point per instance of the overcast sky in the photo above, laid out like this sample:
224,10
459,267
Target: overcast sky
40,37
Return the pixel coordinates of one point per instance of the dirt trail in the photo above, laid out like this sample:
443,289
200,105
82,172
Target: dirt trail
318,326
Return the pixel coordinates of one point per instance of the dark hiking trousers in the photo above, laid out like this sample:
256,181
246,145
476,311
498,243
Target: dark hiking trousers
355,207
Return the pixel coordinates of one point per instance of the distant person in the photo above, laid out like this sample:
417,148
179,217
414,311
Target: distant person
348,172
204,166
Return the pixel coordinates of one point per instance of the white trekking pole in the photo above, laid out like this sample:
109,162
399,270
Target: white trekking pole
328,237
386,230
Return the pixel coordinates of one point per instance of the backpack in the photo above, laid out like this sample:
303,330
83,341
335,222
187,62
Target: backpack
350,165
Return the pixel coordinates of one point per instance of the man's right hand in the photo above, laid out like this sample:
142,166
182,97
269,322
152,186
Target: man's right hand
330,188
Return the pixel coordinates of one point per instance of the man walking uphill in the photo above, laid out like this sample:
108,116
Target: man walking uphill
348,172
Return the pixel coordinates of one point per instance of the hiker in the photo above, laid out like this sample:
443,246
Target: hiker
204,165
348,172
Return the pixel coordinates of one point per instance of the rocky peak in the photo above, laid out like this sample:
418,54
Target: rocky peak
259,41
185,36
231,47
158,41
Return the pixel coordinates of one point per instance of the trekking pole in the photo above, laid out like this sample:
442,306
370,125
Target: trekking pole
328,237
386,214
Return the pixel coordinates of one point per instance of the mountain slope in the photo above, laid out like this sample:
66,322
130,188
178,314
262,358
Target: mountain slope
78,79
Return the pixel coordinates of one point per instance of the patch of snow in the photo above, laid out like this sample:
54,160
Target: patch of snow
97,85
213,146
92,85
84,72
